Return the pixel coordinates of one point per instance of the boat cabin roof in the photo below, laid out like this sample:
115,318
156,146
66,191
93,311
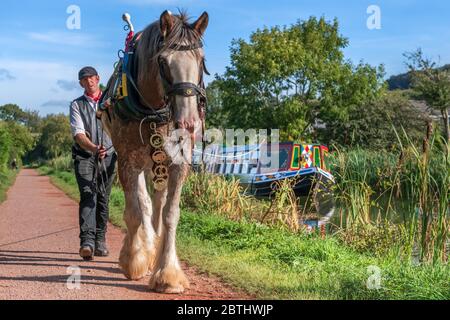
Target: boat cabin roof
257,159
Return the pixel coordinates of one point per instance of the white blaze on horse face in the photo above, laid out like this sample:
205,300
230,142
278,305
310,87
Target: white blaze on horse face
185,67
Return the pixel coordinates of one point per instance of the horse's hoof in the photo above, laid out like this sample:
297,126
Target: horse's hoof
169,280
133,271
132,277
134,274
169,289
135,266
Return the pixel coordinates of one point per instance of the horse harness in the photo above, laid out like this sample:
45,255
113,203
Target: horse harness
129,104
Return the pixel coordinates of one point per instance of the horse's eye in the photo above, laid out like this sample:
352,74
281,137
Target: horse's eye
164,64
163,61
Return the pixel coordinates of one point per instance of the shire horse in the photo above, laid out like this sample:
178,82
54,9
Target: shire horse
168,75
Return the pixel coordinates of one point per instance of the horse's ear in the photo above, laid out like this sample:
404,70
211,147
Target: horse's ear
201,24
166,23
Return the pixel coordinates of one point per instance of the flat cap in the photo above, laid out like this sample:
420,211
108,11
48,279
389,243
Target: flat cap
87,72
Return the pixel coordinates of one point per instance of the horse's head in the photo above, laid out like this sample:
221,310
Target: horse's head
178,61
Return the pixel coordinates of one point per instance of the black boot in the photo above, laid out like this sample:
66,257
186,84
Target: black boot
86,253
101,250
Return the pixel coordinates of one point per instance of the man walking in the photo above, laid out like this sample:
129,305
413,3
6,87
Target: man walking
14,164
94,161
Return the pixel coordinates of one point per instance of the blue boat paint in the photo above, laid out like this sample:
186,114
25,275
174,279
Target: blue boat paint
243,163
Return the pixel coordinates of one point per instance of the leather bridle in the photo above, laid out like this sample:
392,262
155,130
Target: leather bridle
184,89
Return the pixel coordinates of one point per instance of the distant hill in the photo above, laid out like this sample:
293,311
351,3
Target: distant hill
399,82
403,81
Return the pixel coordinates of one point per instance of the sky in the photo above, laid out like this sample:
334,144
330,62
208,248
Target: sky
40,56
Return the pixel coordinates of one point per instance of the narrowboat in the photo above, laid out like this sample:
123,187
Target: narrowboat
304,164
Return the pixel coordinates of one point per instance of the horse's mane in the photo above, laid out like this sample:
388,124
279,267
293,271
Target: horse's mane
149,46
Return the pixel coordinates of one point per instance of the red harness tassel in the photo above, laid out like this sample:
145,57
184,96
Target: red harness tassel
128,40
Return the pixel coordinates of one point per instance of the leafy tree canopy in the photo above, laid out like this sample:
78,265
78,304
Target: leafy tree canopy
289,77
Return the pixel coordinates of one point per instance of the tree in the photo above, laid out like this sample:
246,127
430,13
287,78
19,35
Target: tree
22,139
432,84
5,145
32,120
289,77
371,124
11,112
56,138
15,141
344,100
216,116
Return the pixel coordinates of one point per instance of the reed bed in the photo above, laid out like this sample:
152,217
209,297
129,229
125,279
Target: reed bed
214,194
418,178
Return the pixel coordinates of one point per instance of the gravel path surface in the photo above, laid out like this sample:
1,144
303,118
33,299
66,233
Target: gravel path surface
39,253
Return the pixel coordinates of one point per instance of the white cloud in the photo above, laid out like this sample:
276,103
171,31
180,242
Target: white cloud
68,85
56,103
68,38
36,69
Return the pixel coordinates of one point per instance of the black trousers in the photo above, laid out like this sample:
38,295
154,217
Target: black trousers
94,183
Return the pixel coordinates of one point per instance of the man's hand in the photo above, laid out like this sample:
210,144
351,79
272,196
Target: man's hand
101,152
86,144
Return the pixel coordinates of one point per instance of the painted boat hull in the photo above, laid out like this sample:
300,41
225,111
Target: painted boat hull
265,186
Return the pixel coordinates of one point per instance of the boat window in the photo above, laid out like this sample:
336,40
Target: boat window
229,168
284,161
245,168
223,167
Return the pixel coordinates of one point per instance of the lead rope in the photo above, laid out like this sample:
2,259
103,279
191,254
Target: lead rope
100,165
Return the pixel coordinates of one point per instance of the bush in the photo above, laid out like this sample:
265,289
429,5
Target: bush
5,146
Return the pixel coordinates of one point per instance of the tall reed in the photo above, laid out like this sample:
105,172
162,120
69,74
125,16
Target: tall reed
215,194
427,186
62,163
418,178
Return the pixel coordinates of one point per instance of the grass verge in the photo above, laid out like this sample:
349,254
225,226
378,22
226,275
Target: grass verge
275,264
7,179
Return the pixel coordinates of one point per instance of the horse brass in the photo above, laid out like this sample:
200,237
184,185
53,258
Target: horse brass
160,171
157,140
159,156
160,184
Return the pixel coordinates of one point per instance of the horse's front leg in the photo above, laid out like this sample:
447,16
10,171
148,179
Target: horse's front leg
138,251
168,276
158,200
